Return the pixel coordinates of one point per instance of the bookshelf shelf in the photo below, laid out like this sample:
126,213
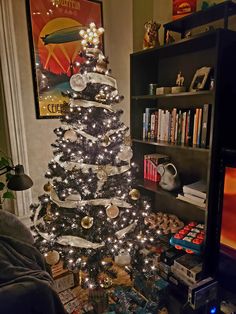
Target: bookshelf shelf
185,94
166,144
153,187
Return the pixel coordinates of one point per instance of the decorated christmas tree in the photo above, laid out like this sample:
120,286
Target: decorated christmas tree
91,213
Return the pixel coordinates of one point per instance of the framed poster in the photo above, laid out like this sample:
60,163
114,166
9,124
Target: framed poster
183,7
54,38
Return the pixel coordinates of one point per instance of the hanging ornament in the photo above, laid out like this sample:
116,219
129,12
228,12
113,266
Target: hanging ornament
101,173
105,141
87,222
105,282
49,215
52,257
112,211
127,140
70,135
78,82
47,187
134,194
126,153
101,65
123,258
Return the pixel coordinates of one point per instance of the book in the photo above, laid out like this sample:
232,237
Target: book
150,163
197,188
190,127
144,125
173,123
190,200
195,126
199,128
194,197
184,117
205,125
148,112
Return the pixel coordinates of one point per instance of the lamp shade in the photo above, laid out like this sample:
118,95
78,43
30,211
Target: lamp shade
19,181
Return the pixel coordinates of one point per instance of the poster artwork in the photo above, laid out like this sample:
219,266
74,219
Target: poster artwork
183,7
54,27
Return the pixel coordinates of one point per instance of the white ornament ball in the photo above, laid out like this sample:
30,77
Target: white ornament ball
78,82
126,153
52,257
70,135
112,211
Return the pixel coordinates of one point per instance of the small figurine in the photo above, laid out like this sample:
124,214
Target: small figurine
180,79
188,34
169,38
179,88
151,36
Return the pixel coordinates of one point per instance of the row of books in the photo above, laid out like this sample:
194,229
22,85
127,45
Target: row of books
188,127
150,164
194,193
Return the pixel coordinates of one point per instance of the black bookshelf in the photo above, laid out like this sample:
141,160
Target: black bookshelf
216,49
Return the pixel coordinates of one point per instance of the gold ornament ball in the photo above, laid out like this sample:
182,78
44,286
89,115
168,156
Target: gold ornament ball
112,211
47,187
87,222
52,257
134,194
105,282
70,135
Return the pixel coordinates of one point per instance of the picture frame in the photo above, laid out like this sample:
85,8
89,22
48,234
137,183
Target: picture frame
54,40
199,80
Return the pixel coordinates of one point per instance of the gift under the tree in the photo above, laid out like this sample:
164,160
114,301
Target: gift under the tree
190,238
99,299
129,301
155,290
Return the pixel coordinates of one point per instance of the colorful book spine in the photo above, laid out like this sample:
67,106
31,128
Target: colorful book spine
144,125
195,126
199,127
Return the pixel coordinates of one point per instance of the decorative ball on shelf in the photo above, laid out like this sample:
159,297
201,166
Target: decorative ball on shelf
102,174
47,187
78,82
134,194
112,211
125,153
105,282
87,222
70,135
52,257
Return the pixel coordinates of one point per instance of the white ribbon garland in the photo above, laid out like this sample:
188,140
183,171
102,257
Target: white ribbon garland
121,233
94,78
94,202
94,139
110,170
77,241
88,104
